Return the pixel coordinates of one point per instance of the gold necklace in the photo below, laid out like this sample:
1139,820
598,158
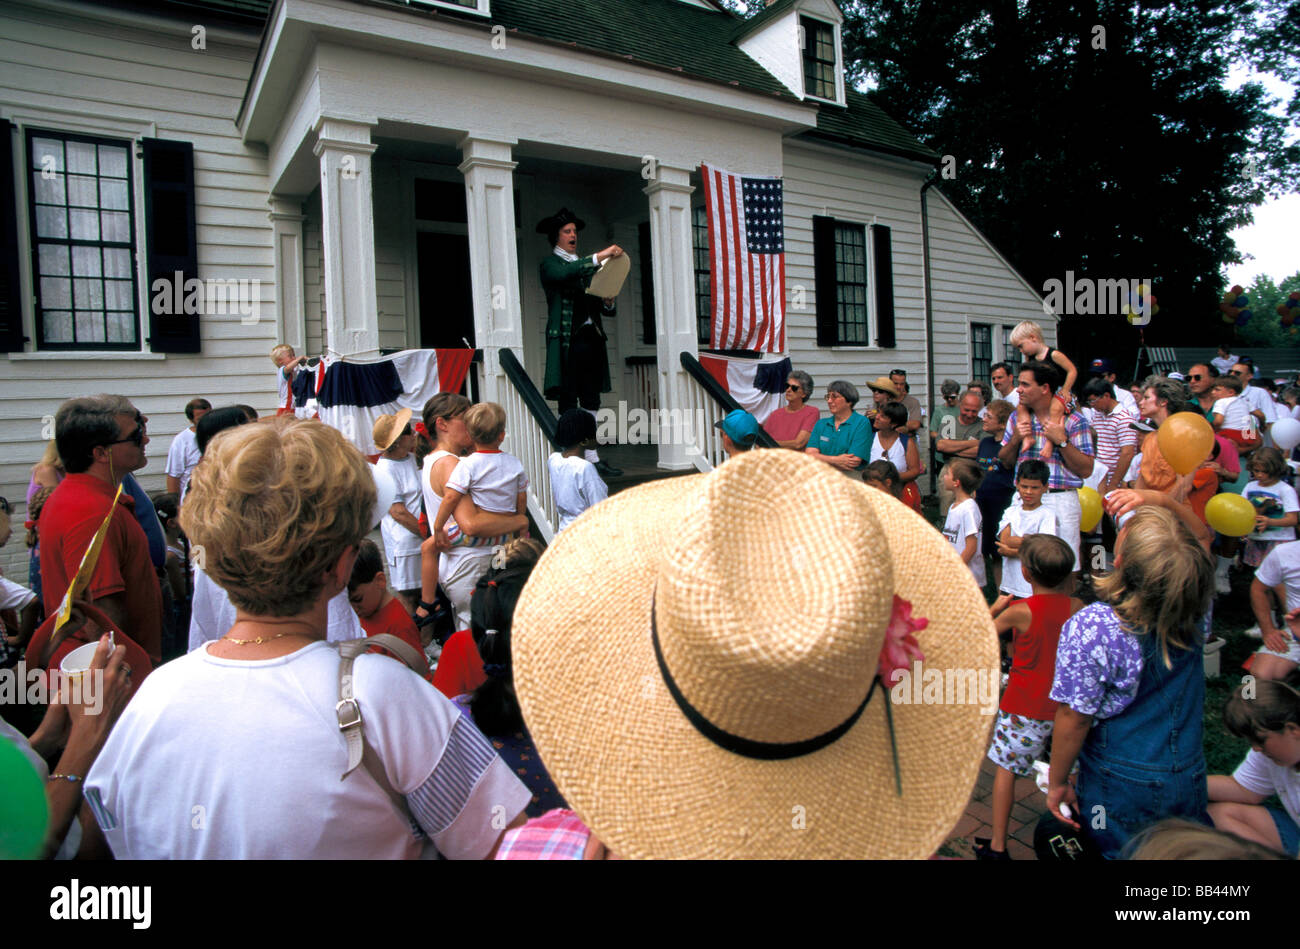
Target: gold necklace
260,639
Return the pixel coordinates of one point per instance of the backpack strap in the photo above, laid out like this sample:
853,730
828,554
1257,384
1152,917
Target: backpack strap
349,713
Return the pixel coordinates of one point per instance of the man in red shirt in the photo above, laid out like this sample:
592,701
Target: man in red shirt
100,439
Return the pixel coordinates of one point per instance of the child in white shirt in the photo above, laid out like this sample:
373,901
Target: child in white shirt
494,480
1029,516
1277,508
964,524
1231,412
574,482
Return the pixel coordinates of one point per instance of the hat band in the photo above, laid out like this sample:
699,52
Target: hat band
747,747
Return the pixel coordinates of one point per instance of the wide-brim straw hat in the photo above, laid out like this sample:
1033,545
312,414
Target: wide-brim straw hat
388,428
767,587
884,384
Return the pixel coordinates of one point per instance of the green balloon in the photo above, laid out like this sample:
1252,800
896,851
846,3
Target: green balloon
24,812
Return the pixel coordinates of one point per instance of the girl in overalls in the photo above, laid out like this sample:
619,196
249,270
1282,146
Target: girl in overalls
1130,680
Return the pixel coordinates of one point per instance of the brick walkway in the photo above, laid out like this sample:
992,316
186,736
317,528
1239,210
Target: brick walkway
978,819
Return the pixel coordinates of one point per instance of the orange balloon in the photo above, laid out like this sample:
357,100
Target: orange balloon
1186,439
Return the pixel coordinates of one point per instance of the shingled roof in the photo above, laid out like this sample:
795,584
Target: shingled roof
663,34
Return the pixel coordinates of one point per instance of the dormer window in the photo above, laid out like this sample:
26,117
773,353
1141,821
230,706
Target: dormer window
470,6
818,42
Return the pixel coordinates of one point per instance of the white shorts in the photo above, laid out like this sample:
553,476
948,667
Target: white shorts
1065,505
403,571
459,581
1291,653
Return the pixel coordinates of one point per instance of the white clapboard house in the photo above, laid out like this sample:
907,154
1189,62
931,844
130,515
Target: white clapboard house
364,176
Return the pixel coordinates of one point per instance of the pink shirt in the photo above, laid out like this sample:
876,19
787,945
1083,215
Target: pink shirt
784,425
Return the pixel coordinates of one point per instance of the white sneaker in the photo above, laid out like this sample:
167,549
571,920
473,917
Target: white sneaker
1254,632
1221,584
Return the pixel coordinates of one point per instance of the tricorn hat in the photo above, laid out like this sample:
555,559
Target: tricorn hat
551,225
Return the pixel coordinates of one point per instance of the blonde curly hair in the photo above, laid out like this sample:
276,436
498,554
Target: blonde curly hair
273,506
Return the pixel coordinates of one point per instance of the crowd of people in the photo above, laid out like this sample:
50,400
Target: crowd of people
625,659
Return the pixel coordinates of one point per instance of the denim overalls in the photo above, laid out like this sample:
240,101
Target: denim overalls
1147,763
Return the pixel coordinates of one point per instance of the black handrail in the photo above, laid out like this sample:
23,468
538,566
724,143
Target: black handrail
536,405
721,395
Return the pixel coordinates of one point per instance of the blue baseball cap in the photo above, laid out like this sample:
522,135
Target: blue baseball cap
740,426
1100,367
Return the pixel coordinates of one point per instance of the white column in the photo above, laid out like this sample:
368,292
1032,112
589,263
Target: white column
493,255
286,227
348,237
674,282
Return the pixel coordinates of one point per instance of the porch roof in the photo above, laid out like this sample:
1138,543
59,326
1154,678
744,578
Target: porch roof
665,34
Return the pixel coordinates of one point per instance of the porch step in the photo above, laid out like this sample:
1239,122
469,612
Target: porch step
639,464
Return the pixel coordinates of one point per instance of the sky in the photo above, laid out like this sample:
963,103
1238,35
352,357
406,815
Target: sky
1271,245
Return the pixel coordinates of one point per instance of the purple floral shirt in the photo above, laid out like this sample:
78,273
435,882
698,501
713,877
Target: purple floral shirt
1098,665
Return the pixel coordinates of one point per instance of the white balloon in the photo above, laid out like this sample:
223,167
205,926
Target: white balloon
386,489
1286,433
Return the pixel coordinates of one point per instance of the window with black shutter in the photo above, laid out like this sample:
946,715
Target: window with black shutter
840,261
11,301
882,254
172,243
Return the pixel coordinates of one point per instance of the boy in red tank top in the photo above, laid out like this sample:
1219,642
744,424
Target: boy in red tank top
1025,716
374,603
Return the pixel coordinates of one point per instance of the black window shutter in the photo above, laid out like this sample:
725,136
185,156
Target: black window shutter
11,290
648,334
882,255
170,241
825,285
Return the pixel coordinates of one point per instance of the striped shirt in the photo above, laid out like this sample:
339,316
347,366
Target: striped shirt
1079,435
1114,432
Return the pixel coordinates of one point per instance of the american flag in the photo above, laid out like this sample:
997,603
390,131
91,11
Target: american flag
746,260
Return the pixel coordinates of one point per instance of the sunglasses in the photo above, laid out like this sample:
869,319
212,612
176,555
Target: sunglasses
136,437
1196,377
898,372
792,387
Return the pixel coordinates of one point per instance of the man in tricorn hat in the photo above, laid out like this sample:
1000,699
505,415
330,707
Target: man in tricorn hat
577,366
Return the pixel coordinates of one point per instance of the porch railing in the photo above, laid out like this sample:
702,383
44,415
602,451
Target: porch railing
530,437
645,384
707,403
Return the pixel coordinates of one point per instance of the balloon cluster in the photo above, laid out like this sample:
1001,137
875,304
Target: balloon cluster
1141,305
1235,306
1289,308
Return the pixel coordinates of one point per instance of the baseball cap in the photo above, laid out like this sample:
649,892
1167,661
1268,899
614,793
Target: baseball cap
740,426
1101,366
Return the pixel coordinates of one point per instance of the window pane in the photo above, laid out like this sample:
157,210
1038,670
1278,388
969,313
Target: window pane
90,328
56,292
47,189
53,260
58,326
83,191
86,261
121,327
51,222
81,158
117,294
117,262
46,148
112,161
117,226
89,294
113,194
85,225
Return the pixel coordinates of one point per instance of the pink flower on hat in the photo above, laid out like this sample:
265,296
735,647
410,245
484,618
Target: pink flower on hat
901,647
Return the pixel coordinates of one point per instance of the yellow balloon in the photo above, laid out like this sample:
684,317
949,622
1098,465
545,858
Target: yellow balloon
1089,509
1186,439
1230,514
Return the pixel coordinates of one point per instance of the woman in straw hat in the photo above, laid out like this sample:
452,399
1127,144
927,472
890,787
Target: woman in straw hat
1130,681
400,527
739,710
238,750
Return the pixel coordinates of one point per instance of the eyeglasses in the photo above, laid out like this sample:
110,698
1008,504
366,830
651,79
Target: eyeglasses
793,387
136,437
898,372
833,395
1195,377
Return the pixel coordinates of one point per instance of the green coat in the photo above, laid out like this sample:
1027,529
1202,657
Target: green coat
568,305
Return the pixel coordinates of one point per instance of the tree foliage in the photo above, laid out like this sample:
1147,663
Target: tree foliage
1265,327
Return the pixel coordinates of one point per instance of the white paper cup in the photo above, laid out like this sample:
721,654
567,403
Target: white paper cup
76,663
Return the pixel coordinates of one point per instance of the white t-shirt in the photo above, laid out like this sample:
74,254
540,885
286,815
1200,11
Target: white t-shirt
398,541
1282,565
182,456
1125,398
1041,520
1267,500
492,479
1260,774
964,520
1236,413
576,486
226,759
1224,363
1259,399
212,614
14,596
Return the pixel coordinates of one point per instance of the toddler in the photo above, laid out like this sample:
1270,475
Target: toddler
1231,412
883,476
1028,338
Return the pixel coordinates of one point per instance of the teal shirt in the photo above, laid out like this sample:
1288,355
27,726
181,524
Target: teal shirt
851,438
